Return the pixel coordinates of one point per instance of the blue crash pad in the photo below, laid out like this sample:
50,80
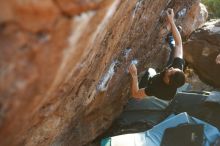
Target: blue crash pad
154,136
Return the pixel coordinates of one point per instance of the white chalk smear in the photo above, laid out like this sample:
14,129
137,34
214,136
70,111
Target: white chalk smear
127,52
137,7
162,13
103,84
134,61
182,12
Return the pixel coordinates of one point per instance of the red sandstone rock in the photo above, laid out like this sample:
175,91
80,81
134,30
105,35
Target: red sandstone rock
27,69
6,11
75,7
201,51
31,15
66,86
36,15
195,18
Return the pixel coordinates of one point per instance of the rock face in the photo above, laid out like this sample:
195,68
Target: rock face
195,83
201,51
63,64
31,15
195,18
72,7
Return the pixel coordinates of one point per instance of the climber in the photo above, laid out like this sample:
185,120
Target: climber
162,85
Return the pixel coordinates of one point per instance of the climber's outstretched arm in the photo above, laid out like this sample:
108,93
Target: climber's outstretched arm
135,91
178,52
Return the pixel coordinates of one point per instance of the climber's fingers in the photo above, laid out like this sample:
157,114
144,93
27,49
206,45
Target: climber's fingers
170,13
169,10
133,69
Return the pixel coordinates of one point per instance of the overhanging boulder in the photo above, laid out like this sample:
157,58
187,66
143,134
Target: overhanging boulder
201,50
63,77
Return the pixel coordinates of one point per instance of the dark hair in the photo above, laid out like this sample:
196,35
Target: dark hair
177,79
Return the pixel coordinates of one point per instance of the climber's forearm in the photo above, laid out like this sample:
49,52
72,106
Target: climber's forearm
175,33
135,91
178,52
178,41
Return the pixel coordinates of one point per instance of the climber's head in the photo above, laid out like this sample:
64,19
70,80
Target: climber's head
174,77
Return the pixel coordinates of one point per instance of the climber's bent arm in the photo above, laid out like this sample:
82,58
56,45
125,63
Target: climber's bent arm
176,35
178,52
135,91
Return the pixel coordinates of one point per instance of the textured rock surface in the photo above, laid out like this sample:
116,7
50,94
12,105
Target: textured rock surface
31,15
201,51
195,83
72,7
63,76
196,17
